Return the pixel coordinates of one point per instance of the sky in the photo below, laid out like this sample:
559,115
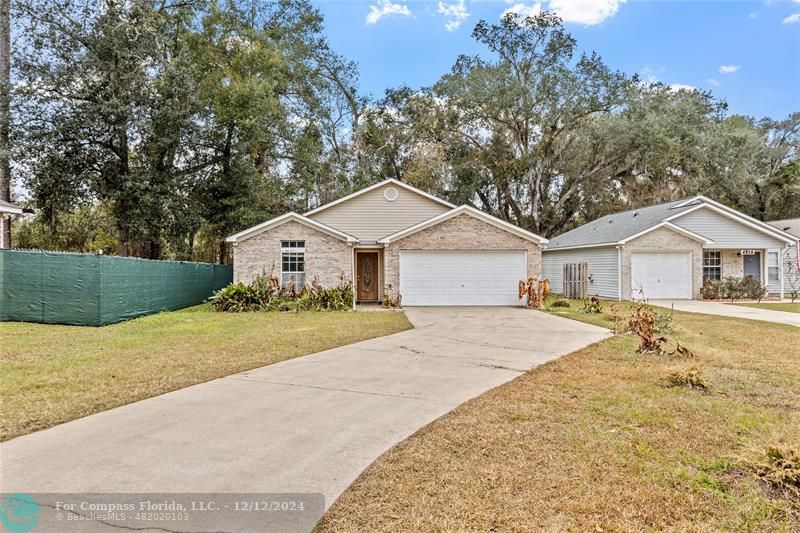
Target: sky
745,52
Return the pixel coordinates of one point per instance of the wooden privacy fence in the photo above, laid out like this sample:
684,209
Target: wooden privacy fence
576,280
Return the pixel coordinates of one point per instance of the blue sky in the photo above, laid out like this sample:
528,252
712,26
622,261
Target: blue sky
747,53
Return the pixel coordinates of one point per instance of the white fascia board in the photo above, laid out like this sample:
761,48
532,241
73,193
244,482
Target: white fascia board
757,225
373,187
292,216
469,210
11,209
673,227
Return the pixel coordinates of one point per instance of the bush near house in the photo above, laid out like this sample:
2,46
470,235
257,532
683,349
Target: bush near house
732,288
265,293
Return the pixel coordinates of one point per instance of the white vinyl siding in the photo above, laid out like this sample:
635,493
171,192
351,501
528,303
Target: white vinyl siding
603,269
725,232
370,216
461,277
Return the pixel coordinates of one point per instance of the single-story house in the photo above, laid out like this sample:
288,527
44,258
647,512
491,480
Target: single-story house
792,254
392,236
666,250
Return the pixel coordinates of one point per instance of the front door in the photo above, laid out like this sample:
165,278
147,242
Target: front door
752,265
367,276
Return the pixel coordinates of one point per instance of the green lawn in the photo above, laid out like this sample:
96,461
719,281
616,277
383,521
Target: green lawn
604,440
52,374
776,306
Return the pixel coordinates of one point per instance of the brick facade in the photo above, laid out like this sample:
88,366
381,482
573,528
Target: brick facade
733,263
326,257
460,233
663,240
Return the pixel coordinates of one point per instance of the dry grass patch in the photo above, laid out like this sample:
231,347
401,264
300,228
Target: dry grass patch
52,374
595,441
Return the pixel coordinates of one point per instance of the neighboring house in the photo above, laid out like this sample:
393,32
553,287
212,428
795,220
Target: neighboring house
666,250
7,211
791,226
394,235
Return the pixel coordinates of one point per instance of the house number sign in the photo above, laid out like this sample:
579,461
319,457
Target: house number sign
747,252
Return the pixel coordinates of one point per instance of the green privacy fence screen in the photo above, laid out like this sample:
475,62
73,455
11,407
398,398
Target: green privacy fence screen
83,289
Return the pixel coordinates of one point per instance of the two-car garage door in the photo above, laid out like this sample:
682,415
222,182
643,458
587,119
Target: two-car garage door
661,275
461,277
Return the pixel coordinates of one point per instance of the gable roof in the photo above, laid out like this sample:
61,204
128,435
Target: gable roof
392,181
289,217
619,228
465,210
789,225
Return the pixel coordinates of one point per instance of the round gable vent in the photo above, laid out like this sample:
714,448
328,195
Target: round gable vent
390,194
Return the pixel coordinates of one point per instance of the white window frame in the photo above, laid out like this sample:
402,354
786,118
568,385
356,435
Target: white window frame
296,249
717,266
776,266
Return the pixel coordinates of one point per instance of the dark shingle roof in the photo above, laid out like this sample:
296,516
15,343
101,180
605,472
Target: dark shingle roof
618,226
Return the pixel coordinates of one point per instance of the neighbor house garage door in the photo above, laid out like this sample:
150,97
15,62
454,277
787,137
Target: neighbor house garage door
660,275
461,278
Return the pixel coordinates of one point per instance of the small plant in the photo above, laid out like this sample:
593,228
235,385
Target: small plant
691,378
592,305
664,323
780,468
561,302
532,289
712,289
643,323
391,300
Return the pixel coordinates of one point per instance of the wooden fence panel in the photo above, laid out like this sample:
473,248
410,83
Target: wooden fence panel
576,280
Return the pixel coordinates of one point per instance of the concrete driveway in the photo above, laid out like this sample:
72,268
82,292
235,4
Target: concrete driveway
310,424
736,311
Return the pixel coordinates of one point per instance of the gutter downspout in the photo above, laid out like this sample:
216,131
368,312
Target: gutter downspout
619,273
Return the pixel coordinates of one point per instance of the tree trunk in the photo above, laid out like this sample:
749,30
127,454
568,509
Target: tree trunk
223,253
5,116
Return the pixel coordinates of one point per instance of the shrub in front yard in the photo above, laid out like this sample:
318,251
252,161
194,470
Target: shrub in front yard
732,288
691,378
592,305
266,294
561,302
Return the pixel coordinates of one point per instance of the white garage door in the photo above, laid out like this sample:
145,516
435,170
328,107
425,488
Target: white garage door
661,275
461,278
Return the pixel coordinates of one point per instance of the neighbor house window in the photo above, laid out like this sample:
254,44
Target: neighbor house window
772,267
293,263
712,264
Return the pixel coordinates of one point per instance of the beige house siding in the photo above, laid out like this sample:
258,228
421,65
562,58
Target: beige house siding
461,233
663,240
370,216
326,257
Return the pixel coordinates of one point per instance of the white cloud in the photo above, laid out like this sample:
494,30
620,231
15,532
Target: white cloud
792,19
523,10
385,8
714,82
454,14
588,12
728,69
675,87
